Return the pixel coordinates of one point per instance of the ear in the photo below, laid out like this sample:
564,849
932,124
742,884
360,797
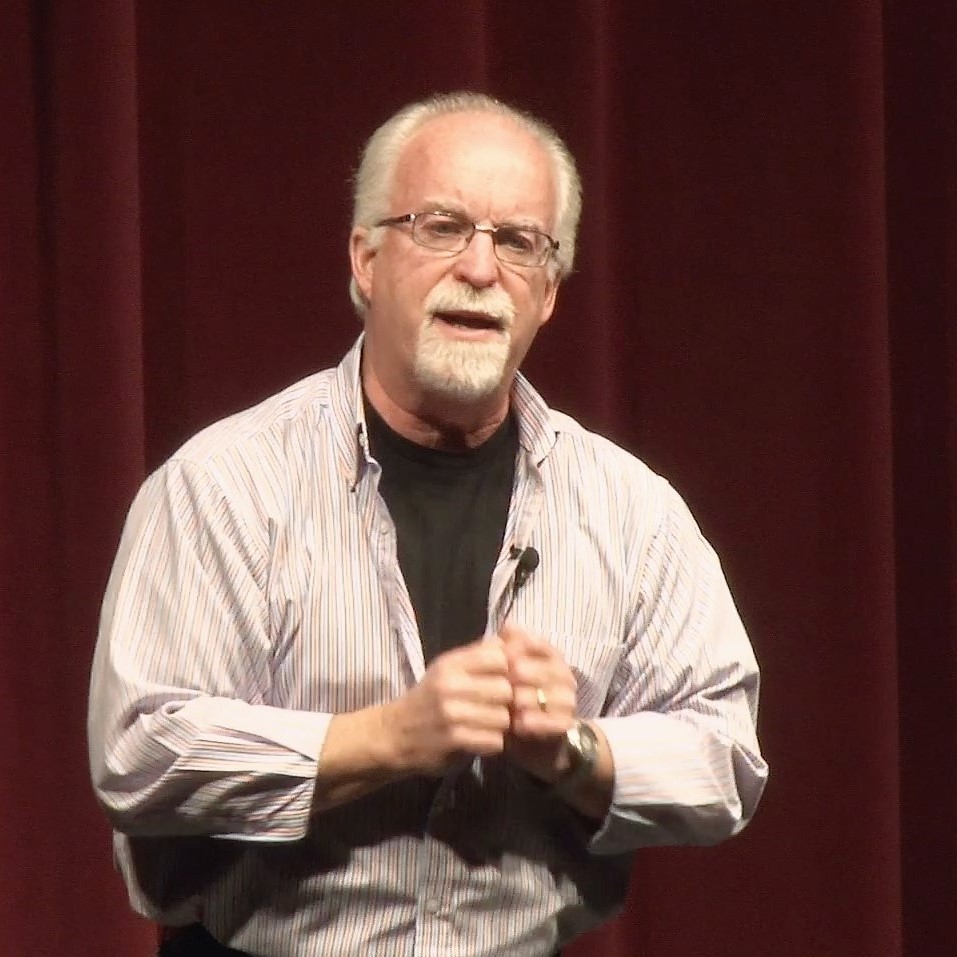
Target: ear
362,258
548,303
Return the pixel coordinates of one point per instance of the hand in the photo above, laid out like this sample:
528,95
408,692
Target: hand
543,706
460,707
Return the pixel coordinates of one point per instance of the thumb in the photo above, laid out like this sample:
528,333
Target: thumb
513,634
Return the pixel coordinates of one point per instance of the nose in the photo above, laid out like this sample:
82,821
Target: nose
477,264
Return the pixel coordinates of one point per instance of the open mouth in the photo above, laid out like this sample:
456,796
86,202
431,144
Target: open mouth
478,321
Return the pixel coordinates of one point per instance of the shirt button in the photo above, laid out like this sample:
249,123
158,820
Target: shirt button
433,905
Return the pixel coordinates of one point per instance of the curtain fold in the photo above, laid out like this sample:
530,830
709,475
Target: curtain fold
921,93
71,417
763,309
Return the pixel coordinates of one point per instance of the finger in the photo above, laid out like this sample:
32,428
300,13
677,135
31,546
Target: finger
482,743
449,684
531,646
544,709
489,689
485,656
538,672
514,634
466,718
552,699
532,723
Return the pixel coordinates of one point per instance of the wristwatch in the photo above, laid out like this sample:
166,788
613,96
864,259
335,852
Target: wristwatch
581,745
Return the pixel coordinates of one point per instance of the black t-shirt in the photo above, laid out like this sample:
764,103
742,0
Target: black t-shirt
449,509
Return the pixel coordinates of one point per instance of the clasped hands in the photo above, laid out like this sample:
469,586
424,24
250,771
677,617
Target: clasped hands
512,694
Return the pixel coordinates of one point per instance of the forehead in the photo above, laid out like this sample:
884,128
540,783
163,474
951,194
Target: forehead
484,164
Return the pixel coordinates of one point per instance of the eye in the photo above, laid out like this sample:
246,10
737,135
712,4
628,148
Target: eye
515,239
441,226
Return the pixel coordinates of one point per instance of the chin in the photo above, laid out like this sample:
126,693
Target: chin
461,371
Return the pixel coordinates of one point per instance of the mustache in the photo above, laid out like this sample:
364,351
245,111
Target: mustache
461,297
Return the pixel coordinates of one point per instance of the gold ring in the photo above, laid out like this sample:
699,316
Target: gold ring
542,698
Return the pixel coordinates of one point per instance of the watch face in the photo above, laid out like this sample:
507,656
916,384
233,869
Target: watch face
582,755
582,741
575,737
582,738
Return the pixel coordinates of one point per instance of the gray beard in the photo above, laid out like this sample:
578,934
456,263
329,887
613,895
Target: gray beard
465,371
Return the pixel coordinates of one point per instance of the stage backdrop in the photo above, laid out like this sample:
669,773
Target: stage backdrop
763,309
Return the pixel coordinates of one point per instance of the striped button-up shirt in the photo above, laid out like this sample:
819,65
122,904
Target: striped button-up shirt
256,593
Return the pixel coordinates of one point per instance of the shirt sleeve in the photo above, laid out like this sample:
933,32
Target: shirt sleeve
681,716
182,739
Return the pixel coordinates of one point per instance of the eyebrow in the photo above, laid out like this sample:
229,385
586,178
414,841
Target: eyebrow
457,209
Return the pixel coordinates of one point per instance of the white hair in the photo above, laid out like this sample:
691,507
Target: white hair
380,157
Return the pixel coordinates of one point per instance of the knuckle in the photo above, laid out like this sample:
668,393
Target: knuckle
505,691
447,711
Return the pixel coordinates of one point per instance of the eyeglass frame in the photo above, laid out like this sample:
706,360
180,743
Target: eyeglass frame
410,218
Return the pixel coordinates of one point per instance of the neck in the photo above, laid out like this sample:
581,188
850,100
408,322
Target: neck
435,422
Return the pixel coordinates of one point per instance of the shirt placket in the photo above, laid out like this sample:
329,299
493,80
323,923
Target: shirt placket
523,511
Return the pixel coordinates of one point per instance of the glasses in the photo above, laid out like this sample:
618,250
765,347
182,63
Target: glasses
451,233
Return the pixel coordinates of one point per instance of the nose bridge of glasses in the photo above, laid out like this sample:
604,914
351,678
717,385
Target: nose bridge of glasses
489,231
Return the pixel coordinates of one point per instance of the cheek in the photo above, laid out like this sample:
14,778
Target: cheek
409,285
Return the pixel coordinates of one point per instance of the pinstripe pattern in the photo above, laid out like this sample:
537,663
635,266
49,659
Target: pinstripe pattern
256,592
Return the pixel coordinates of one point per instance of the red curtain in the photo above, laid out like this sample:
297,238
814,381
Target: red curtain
764,309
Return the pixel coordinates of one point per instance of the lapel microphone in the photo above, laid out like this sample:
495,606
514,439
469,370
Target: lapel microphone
527,563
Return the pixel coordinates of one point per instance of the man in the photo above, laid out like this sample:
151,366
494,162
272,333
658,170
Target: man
401,661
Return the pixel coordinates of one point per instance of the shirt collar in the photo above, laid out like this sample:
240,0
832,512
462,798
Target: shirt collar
537,432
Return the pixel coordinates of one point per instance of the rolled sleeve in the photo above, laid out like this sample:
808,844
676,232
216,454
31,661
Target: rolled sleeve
681,720
182,737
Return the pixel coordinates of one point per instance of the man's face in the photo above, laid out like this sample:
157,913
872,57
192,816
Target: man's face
458,326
